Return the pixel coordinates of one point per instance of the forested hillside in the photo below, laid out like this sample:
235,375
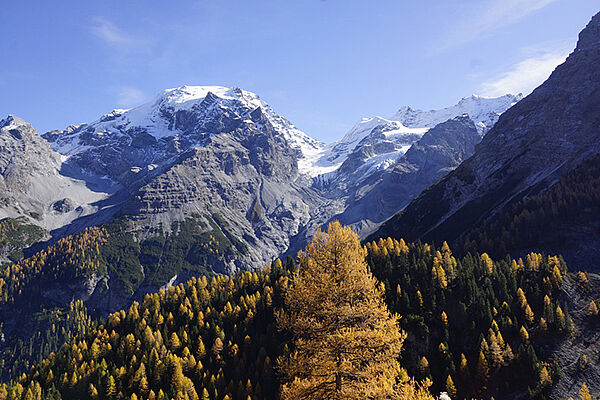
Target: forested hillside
542,139
198,245
476,328
206,339
50,288
565,218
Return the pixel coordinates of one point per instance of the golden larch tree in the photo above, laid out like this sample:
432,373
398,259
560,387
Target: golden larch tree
545,379
592,309
450,388
346,342
584,392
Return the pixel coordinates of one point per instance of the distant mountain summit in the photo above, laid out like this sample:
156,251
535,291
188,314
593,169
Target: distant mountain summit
175,121
376,172
396,134
484,111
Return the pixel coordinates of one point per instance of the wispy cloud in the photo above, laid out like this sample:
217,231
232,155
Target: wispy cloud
111,34
489,16
524,76
128,97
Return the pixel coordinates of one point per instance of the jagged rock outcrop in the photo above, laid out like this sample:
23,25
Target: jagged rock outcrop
247,182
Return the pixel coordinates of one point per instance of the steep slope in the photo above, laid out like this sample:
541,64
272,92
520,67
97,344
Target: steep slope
577,353
246,182
372,130
564,219
380,192
540,139
32,186
375,175
216,157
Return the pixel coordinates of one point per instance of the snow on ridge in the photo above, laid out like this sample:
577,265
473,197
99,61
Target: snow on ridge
151,118
149,115
366,125
484,111
337,152
407,126
314,157
309,148
11,122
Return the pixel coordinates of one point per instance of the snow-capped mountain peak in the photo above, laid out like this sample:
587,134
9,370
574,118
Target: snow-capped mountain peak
187,116
484,111
192,112
156,115
11,121
380,142
373,129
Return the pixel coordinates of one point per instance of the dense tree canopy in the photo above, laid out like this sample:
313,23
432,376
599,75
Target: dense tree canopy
476,327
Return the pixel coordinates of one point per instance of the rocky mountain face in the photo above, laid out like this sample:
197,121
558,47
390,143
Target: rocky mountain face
130,146
385,163
373,197
32,186
217,155
540,139
246,180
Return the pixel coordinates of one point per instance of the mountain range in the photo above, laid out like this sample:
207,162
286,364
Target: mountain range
222,158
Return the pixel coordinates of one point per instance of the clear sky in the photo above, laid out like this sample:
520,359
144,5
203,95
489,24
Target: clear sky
321,64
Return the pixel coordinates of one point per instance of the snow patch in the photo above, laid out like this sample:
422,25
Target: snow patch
484,111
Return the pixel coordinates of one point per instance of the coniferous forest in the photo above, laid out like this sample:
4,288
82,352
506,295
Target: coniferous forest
471,326
544,220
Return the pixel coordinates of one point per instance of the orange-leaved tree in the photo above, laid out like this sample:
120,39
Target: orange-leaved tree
346,342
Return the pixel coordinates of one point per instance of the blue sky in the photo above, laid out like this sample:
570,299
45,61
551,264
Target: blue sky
321,64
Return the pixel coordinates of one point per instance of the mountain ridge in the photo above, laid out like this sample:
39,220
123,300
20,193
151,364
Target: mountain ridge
267,170
533,144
